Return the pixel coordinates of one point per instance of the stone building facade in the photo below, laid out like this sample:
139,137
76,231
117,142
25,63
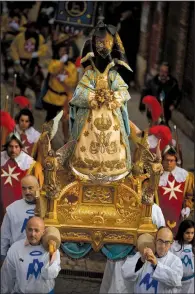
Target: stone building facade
166,34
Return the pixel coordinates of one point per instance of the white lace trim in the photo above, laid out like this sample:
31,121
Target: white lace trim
23,160
152,141
31,134
174,142
179,174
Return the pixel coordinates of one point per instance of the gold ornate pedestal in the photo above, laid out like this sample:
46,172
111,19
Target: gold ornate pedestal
99,214
93,211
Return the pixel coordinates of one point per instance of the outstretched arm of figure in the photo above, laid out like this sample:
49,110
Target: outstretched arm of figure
119,87
14,50
85,91
43,47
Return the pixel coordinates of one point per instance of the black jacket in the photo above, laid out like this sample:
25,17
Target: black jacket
171,90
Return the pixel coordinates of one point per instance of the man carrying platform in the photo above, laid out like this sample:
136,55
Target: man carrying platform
28,267
18,213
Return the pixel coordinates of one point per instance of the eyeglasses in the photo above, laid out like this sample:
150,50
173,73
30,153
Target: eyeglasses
161,242
169,160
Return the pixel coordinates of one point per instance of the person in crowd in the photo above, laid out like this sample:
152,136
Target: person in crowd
12,23
184,247
165,88
158,128
62,77
112,281
176,189
24,126
15,164
28,267
60,82
25,51
155,272
18,213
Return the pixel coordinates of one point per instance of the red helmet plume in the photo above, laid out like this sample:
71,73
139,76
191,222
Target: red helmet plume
78,62
23,102
163,133
154,106
7,121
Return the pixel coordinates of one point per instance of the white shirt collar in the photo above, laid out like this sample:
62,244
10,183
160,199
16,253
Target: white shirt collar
23,160
179,174
32,134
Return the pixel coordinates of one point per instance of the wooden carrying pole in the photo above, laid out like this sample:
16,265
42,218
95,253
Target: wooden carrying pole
162,105
177,146
13,96
3,130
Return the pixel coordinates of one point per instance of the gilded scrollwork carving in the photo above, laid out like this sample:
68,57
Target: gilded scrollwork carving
75,235
102,166
98,218
120,237
98,194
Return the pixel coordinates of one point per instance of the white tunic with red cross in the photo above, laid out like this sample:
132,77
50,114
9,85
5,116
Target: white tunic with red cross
171,195
29,138
12,171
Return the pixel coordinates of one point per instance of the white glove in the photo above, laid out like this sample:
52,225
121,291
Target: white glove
14,25
61,77
67,29
44,10
49,10
64,58
51,21
34,54
185,212
17,62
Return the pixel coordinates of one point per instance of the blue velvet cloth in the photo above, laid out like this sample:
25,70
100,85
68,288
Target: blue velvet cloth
76,250
80,250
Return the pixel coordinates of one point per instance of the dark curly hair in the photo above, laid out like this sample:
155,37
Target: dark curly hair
9,139
171,152
26,112
184,225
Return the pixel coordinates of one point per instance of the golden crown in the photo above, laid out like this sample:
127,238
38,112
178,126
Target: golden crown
103,123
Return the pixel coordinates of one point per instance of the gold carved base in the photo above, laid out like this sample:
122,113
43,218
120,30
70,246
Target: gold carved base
98,214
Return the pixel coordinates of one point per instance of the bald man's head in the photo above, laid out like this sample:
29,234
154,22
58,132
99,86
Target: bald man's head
36,220
35,229
164,239
30,186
